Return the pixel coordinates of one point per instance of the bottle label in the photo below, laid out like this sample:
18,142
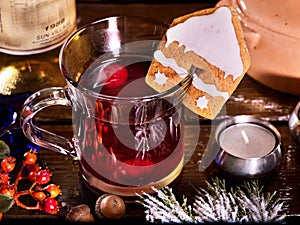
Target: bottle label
34,26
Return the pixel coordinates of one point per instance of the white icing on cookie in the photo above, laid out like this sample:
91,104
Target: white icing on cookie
212,37
202,102
208,88
169,62
197,82
160,78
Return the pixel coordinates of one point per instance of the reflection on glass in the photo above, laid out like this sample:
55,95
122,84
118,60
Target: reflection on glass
8,79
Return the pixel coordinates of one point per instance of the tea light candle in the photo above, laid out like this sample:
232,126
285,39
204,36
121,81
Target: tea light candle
247,146
247,140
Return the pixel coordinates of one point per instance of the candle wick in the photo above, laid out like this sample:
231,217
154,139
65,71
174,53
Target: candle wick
245,136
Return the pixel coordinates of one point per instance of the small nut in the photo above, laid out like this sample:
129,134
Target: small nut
110,207
80,213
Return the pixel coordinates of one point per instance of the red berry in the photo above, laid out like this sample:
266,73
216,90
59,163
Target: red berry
39,195
51,206
30,157
8,189
43,176
4,178
116,73
32,176
53,190
33,167
30,168
8,164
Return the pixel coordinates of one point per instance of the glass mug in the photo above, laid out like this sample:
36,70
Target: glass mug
127,137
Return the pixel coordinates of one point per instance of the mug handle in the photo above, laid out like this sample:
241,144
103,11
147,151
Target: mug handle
38,101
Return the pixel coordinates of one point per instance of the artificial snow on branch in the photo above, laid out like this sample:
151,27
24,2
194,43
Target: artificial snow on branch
246,203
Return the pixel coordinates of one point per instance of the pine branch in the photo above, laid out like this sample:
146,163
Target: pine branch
165,207
246,203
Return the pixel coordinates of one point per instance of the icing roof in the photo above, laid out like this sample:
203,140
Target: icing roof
212,37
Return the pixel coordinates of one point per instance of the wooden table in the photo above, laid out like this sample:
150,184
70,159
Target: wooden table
250,98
